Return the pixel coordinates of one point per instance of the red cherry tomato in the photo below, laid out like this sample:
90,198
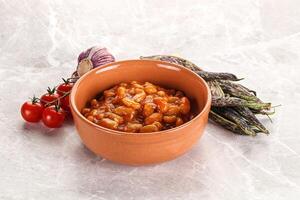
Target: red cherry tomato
53,116
64,87
32,111
64,103
49,97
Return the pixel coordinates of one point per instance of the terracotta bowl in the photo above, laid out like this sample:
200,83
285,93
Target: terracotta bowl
140,148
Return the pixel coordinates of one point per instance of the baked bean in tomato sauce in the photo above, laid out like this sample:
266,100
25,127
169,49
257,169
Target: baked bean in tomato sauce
139,107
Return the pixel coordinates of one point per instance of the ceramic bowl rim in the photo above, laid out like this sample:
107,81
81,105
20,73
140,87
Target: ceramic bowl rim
110,131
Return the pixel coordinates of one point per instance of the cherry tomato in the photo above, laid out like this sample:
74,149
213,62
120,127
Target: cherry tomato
53,116
64,103
64,87
49,97
32,111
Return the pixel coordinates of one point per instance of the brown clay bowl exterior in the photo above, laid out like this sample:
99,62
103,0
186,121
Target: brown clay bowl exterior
140,148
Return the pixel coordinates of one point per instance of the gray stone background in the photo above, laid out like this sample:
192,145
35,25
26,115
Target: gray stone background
256,39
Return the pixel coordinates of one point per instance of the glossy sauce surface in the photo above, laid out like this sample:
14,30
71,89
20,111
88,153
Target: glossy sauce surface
139,107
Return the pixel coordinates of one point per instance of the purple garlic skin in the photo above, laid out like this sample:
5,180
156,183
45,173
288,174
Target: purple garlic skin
92,58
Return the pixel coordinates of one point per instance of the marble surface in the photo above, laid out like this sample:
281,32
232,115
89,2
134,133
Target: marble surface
256,39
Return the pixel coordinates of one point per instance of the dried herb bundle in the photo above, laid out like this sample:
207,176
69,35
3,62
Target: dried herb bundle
233,105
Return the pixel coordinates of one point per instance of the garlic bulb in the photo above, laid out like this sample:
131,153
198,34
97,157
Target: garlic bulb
92,58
